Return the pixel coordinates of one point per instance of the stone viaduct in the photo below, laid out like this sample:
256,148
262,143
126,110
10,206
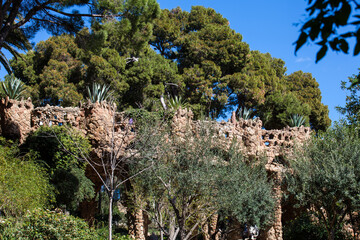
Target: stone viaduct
19,118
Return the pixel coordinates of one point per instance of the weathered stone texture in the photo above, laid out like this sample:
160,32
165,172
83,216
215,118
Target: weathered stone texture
57,116
15,118
96,121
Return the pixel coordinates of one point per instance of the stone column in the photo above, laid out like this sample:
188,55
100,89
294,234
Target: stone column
15,118
274,232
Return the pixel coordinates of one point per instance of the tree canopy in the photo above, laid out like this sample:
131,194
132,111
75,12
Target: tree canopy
220,72
331,24
195,177
66,172
324,177
351,110
24,18
193,55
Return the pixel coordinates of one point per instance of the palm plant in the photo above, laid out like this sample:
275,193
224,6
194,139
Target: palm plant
13,87
296,120
16,39
245,113
98,92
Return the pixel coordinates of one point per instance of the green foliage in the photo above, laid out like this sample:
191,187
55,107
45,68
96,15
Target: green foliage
217,54
325,176
143,118
325,18
303,228
103,233
54,144
13,87
192,177
352,106
66,171
15,40
45,224
220,73
245,113
202,60
98,93
53,71
23,183
72,187
306,89
278,108
176,102
296,120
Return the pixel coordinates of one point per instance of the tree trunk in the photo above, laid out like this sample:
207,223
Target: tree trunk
172,231
332,234
182,229
111,195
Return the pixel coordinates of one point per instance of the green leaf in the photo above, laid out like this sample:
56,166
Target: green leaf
343,14
357,48
321,53
344,46
301,40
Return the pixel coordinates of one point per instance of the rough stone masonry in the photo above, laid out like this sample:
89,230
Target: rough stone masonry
19,118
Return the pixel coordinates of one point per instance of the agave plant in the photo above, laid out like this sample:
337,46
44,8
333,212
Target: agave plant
296,120
98,92
13,87
176,102
245,113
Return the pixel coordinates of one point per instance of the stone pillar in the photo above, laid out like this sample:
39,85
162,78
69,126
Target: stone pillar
138,231
137,222
15,118
274,232
99,119
98,126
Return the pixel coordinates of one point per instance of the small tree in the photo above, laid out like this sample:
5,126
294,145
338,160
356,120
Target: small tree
325,177
194,178
117,150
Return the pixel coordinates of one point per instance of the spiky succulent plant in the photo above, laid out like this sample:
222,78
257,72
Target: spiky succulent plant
13,87
176,102
245,113
296,120
99,93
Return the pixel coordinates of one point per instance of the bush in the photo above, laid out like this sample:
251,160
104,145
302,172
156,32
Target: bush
23,184
58,149
51,142
45,224
302,228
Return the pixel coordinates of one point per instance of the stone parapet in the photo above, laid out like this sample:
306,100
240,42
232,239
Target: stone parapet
101,124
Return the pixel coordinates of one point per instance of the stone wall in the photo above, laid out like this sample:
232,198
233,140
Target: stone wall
19,118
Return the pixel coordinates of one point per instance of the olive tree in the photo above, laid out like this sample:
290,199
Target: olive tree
325,176
195,177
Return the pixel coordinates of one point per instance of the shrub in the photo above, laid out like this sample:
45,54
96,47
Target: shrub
45,224
23,184
66,171
303,228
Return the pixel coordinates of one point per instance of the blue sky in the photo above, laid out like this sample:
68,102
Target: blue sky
269,26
